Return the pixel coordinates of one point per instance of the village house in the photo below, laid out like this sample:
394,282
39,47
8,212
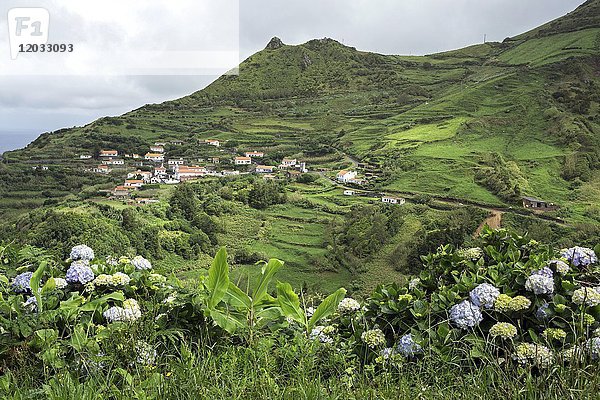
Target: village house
185,173
136,156
242,161
213,142
349,192
157,149
139,174
134,183
85,157
120,191
173,163
156,157
346,176
162,144
160,170
264,169
176,142
102,169
114,161
214,160
539,205
393,200
288,162
109,153
226,172
255,154
357,181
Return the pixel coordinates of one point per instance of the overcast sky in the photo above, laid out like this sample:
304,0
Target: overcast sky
38,104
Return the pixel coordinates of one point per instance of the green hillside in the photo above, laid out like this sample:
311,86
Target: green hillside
484,125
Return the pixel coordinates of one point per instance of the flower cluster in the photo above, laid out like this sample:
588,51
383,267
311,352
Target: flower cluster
408,347
504,330
540,284
580,256
21,283
546,271
586,296
465,315
554,334
405,297
373,338
348,306
79,272
504,303
484,295
533,354
322,333
146,354
116,279
82,252
561,267
60,283
31,304
130,311
141,263
474,253
414,283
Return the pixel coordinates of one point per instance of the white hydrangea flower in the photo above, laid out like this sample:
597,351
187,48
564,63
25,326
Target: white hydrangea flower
128,313
60,283
322,333
348,306
373,338
586,296
540,284
141,263
529,353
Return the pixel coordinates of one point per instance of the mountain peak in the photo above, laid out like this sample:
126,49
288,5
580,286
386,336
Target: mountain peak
274,44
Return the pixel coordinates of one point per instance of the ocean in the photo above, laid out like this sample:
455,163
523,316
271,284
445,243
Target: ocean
12,140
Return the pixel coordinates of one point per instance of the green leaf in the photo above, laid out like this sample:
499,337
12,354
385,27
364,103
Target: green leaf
35,284
237,298
218,278
49,286
290,303
99,302
268,272
228,322
43,338
327,307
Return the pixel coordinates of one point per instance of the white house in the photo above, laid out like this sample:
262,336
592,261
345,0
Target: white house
173,163
156,157
242,161
346,176
102,169
393,200
157,149
288,162
213,142
264,169
349,192
109,153
144,175
134,183
114,161
255,154
184,172
160,170
163,144
85,157
227,172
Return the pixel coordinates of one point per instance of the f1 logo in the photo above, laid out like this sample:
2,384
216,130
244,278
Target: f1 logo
27,26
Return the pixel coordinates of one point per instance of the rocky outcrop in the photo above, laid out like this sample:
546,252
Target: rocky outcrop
274,44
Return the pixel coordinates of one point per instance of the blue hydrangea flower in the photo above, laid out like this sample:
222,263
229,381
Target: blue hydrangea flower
542,312
31,304
82,252
408,347
79,272
141,263
465,315
547,272
580,256
21,283
484,295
